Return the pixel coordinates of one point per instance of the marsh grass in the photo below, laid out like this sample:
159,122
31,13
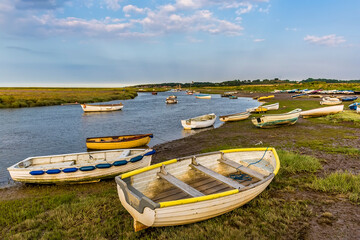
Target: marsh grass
292,163
345,116
327,146
339,182
32,97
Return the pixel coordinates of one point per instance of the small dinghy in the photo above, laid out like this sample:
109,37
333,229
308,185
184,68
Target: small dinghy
171,100
354,106
118,142
259,109
275,120
348,99
318,112
235,117
265,97
79,167
199,122
203,96
330,101
101,107
196,188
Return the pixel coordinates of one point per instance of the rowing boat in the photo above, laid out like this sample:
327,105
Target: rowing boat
199,122
101,107
354,106
196,188
348,99
318,112
234,117
171,100
259,109
274,120
330,101
79,167
274,106
118,142
203,96
265,97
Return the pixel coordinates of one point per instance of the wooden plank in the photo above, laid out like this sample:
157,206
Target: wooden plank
179,184
217,176
241,168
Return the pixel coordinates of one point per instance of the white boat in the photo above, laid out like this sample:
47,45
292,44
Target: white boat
317,112
358,110
79,167
330,101
199,122
274,120
101,107
235,117
196,188
171,100
203,96
274,106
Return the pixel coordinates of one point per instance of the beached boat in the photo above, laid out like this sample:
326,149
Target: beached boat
315,96
117,142
354,106
203,96
79,167
330,101
275,120
265,97
101,107
235,117
259,109
171,100
357,110
274,106
233,97
196,188
348,99
199,122
301,95
318,112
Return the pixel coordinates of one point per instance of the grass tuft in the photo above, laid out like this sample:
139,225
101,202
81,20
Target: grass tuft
296,163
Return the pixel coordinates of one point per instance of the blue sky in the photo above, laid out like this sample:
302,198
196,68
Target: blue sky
120,42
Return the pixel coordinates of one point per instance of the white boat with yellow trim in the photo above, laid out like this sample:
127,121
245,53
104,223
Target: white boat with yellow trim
330,101
196,188
101,107
199,122
235,117
79,167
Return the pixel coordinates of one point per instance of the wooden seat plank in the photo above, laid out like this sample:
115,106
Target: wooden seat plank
217,176
241,168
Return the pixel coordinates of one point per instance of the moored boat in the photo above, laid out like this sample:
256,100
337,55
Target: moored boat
154,93
234,117
354,106
274,106
79,167
265,97
233,97
101,107
275,120
118,142
318,112
196,188
259,109
199,122
203,96
171,100
330,101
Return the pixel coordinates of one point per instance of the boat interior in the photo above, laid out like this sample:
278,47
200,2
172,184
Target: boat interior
204,175
117,138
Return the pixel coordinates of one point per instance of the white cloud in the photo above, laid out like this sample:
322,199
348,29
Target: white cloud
265,10
112,4
259,40
133,9
327,40
291,29
245,8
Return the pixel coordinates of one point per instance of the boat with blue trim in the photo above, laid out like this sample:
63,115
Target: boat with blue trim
79,167
354,106
196,188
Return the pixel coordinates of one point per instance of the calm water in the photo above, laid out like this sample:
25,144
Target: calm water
52,130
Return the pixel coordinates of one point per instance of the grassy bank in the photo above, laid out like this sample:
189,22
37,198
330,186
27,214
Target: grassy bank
32,97
316,193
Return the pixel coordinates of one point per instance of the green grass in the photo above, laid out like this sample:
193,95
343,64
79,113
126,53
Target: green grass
292,163
326,145
32,97
345,116
339,182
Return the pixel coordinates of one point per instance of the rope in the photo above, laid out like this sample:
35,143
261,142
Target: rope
260,158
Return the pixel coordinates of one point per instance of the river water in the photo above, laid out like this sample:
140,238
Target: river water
37,131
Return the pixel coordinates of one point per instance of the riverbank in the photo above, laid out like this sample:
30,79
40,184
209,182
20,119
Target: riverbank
316,194
34,97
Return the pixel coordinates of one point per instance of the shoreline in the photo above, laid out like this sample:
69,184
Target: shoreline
302,210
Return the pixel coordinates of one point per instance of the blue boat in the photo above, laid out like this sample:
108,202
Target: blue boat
299,95
348,99
354,106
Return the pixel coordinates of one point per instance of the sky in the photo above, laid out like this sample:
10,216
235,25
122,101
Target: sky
115,43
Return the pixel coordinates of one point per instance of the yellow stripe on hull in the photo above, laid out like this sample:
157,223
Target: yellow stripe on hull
118,145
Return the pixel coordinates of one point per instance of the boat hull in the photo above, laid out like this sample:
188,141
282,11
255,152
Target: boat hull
118,142
234,117
195,124
95,173
101,108
276,120
318,112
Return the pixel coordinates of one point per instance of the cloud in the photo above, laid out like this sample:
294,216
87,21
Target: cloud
291,29
327,40
112,4
38,4
259,40
133,9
